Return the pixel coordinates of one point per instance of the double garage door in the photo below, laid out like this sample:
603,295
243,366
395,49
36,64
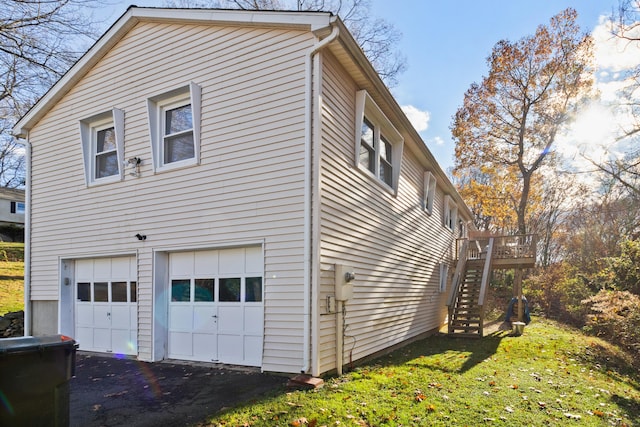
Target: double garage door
214,312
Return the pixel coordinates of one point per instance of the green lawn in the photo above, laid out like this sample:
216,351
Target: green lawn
550,376
11,277
11,286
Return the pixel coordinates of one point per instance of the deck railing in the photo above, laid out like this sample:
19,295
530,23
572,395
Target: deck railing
504,247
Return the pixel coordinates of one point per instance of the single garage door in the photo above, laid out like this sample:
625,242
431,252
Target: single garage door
216,309
106,305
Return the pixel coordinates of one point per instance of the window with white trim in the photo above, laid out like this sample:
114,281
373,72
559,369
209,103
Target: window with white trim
174,126
102,138
444,273
378,143
429,191
17,208
450,214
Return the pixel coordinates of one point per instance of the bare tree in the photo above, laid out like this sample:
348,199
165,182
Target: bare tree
625,170
377,37
39,41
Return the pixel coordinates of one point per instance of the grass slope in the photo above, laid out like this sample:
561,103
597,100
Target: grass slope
11,277
550,376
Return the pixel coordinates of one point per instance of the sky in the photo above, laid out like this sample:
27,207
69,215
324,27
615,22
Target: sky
446,44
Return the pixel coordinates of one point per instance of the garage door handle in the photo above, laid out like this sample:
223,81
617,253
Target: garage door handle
215,316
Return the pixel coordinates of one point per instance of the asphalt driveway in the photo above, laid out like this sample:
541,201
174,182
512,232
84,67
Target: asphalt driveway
107,391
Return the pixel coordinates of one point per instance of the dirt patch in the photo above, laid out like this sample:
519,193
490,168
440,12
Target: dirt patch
107,391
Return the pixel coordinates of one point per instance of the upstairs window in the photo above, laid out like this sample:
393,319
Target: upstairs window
429,191
450,213
106,155
174,126
102,138
378,143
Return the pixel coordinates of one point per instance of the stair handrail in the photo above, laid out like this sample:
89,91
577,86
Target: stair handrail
486,272
455,282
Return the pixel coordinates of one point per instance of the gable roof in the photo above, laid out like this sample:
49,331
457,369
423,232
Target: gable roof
313,21
346,50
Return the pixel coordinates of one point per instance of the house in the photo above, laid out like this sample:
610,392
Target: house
233,186
12,210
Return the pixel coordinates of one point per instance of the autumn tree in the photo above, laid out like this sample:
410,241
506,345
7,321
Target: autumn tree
39,41
509,122
377,37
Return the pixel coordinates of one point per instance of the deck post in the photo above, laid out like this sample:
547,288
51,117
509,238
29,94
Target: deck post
517,279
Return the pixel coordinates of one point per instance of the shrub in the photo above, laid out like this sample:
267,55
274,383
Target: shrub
557,292
615,315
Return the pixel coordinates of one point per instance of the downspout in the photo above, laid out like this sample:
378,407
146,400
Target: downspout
310,106
27,241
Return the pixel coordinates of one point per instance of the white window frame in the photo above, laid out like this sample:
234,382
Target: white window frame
383,129
444,273
89,129
185,95
450,213
429,191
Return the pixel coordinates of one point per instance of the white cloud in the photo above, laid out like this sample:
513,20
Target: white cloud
438,140
614,53
594,134
418,118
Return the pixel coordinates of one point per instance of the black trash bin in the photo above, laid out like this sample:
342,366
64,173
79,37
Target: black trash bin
34,380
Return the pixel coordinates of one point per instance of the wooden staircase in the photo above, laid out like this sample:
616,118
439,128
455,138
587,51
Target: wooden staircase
476,258
466,316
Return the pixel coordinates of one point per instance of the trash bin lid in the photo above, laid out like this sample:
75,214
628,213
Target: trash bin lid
26,344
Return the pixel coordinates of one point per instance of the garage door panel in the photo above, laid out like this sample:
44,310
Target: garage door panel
84,336
205,346
101,315
119,269
120,316
180,344
206,263
102,339
204,318
84,314
253,350
102,269
253,319
181,317
121,341
181,264
232,261
230,319
230,348
254,262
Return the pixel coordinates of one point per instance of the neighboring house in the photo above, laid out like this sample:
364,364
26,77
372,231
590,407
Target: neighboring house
197,178
12,207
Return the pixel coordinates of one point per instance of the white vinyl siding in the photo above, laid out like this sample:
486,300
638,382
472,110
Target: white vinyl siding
248,186
395,248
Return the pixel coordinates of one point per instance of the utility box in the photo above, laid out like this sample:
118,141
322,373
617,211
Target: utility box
345,275
34,380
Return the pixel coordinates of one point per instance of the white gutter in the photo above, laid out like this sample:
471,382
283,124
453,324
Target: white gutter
310,106
27,240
